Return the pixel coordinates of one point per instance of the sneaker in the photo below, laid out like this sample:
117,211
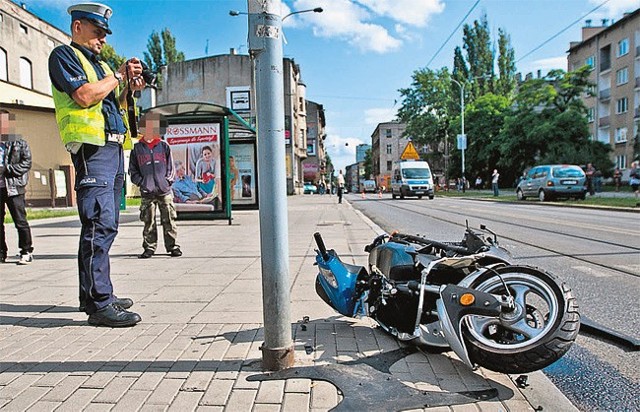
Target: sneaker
25,259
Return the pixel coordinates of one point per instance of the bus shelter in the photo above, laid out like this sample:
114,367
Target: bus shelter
208,175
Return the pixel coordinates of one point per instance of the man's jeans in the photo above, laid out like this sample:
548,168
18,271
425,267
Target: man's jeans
17,209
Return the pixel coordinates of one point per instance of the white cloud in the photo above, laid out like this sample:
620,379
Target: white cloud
346,20
413,12
549,63
379,115
614,9
342,150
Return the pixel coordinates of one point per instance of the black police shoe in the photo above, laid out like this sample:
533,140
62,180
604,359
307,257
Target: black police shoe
176,252
114,316
124,303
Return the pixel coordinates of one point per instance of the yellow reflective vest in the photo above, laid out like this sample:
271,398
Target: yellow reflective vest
78,124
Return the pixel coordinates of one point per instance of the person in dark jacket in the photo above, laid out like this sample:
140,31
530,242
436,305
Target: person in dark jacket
151,169
15,163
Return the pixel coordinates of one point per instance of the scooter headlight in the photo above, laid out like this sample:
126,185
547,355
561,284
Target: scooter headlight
329,277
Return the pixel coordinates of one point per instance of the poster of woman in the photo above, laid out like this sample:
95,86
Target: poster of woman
242,174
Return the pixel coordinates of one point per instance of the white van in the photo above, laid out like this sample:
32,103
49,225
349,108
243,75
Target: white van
412,178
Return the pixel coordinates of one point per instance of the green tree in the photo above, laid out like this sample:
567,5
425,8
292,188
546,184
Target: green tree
368,164
484,120
161,50
549,125
426,106
480,57
506,83
113,59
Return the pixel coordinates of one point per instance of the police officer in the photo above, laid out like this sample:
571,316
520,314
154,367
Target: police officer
90,101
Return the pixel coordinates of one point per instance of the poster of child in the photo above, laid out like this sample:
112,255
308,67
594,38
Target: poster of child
205,170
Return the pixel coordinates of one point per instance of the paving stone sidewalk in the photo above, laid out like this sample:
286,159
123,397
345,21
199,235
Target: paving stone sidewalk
202,325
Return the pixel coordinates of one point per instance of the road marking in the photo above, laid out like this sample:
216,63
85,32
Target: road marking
598,273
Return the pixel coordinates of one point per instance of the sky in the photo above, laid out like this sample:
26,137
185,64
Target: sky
357,54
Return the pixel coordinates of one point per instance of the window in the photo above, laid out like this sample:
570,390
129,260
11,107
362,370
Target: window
591,90
3,65
622,105
26,78
621,134
623,47
389,149
24,29
389,164
621,162
590,114
590,61
622,76
388,133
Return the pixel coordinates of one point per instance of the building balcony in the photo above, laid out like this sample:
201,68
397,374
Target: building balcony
605,94
605,66
603,121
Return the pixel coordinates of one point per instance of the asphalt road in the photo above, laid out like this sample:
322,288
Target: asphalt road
596,252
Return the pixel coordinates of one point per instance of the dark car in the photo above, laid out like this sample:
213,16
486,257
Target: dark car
548,182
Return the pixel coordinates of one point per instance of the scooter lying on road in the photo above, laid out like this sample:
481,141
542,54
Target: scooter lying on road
465,295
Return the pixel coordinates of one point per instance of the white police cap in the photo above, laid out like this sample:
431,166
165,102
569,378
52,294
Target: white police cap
96,13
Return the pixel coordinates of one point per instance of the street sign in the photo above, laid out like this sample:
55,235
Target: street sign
462,142
410,152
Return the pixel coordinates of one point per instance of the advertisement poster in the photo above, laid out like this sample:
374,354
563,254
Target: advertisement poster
242,177
196,158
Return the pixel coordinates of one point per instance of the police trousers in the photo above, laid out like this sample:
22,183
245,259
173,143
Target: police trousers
98,185
168,218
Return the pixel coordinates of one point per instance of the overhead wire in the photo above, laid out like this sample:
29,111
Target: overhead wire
454,32
563,30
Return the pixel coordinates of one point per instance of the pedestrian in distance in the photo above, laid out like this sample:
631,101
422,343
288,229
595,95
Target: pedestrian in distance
15,163
590,172
151,169
634,179
617,178
495,178
340,183
88,97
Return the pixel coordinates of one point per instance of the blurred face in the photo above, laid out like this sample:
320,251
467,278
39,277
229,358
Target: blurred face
151,128
180,172
7,125
88,35
206,154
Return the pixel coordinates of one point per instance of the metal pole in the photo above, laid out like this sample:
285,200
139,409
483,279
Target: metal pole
265,47
462,104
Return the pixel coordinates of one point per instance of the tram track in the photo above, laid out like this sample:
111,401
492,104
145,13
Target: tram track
577,257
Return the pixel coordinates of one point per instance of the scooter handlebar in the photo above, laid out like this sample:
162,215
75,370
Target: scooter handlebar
321,247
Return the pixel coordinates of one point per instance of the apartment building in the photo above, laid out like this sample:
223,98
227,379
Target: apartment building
25,90
613,108
314,166
387,145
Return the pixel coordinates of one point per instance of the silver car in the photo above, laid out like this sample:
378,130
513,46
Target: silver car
547,182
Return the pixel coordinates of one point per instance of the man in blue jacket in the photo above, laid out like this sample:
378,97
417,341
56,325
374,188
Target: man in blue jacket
15,163
151,169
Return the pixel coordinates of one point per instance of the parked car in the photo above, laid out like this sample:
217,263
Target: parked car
309,188
548,182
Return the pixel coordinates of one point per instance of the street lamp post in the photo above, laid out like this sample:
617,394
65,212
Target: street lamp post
265,48
462,144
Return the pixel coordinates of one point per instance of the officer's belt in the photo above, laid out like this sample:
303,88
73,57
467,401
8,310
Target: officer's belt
118,138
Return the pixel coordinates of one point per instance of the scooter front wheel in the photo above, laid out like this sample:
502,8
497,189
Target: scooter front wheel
535,334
